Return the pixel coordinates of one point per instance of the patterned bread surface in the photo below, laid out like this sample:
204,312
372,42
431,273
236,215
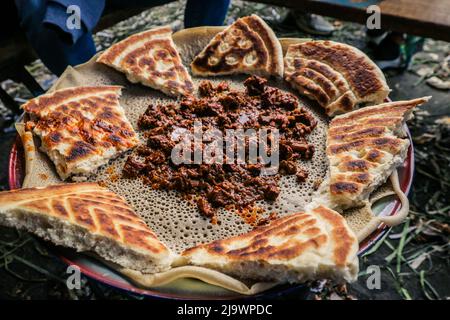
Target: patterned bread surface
81,128
363,148
151,58
86,217
296,248
338,76
247,46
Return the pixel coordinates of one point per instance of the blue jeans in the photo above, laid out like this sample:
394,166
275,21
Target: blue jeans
56,50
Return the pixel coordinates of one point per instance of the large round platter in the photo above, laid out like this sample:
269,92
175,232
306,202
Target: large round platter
190,288
193,289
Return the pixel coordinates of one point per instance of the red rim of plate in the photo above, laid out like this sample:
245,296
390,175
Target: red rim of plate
16,169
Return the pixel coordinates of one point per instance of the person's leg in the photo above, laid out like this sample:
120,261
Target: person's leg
197,12
123,4
205,13
53,47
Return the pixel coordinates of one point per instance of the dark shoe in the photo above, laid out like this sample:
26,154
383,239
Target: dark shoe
387,50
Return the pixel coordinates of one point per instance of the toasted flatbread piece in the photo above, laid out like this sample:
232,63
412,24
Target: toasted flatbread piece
151,58
86,217
364,147
81,128
296,248
338,76
247,46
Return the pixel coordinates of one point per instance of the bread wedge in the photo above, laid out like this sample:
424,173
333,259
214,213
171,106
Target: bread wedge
150,58
247,46
338,76
86,217
80,128
293,249
364,147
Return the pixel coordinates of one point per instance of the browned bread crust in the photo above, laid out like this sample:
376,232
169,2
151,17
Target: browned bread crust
94,219
364,147
337,75
151,58
81,128
247,46
298,247
366,116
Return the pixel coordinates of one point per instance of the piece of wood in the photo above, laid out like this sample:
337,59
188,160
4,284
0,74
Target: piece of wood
427,18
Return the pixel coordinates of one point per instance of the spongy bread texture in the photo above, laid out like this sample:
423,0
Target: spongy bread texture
175,220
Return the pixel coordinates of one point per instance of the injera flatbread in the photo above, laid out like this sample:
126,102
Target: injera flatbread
176,221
